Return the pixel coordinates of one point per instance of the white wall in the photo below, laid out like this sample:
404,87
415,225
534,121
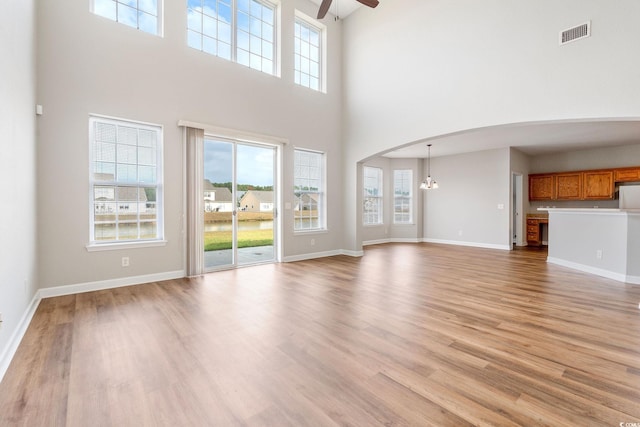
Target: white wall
88,64
418,69
464,209
17,165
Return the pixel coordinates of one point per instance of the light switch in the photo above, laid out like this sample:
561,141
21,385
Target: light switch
500,206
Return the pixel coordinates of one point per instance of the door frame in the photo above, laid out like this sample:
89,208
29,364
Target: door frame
212,131
277,217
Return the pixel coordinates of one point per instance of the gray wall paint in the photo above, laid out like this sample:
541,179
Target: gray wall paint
17,163
88,64
465,207
433,73
633,247
607,233
595,158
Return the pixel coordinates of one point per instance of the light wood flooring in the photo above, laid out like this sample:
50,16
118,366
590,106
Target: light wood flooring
409,334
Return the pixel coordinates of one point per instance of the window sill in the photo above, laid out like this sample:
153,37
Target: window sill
372,225
97,247
305,232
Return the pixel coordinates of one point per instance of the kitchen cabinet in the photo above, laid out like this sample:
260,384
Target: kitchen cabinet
542,187
580,185
627,175
534,230
598,185
569,186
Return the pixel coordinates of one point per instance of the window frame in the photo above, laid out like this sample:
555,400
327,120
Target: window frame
159,15
322,191
408,181
94,183
367,218
302,19
234,44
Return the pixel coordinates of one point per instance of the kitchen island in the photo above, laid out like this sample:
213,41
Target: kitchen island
605,242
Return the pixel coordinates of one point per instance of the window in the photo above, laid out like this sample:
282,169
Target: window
126,181
372,196
402,194
309,192
237,30
308,54
144,15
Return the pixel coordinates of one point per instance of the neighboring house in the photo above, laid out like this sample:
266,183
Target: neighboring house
122,200
257,201
217,199
306,202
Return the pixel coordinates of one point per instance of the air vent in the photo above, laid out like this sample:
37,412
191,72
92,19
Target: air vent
575,33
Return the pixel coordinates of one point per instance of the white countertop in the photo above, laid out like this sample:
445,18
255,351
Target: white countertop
601,211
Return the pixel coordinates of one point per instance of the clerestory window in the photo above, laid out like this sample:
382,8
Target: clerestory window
243,31
145,15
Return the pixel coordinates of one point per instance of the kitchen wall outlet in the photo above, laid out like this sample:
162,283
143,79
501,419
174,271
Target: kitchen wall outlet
459,232
313,242
599,254
125,261
500,206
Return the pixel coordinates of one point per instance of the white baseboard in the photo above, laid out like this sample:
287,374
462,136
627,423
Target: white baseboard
376,242
634,280
12,346
109,284
594,270
405,240
9,352
314,255
471,244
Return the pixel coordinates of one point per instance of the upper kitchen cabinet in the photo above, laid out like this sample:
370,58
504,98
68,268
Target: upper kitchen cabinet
542,187
598,185
569,186
627,174
580,185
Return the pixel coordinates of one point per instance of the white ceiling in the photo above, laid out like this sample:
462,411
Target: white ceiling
342,7
532,139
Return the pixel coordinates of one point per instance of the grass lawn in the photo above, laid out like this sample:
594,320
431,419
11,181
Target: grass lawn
217,240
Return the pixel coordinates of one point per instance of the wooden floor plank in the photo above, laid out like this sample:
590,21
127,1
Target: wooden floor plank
409,334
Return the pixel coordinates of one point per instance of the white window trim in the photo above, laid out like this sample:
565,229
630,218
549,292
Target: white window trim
94,245
323,228
411,199
160,17
380,198
323,48
234,36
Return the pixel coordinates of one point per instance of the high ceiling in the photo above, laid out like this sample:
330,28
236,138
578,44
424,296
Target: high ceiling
532,139
340,7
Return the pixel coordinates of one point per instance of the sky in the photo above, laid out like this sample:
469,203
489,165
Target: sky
255,164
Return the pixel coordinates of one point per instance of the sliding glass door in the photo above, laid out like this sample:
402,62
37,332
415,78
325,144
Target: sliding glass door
239,203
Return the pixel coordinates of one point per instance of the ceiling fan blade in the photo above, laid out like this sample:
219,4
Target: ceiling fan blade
370,3
324,8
